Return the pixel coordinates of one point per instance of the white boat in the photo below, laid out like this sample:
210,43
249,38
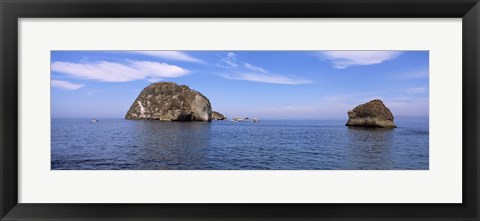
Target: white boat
94,120
236,119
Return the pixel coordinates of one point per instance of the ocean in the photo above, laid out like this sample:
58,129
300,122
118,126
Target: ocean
119,144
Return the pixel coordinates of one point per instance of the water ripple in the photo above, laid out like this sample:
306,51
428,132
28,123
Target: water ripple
113,144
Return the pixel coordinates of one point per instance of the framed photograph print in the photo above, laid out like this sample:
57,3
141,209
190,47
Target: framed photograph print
239,110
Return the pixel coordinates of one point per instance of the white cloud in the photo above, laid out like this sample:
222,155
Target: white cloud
65,85
250,72
345,59
118,72
265,78
417,90
171,55
254,68
230,61
153,80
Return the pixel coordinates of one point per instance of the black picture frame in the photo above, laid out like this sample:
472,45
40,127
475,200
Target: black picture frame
12,10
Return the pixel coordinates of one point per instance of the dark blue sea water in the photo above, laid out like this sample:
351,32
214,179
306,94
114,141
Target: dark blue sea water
118,144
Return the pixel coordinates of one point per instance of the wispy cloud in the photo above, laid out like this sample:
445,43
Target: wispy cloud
417,90
92,92
65,85
265,78
254,68
119,72
171,55
153,80
238,70
345,59
230,61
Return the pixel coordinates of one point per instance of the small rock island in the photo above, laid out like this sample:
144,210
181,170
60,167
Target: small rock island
371,114
168,101
217,116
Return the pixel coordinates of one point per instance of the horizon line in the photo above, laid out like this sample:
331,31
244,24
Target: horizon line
232,118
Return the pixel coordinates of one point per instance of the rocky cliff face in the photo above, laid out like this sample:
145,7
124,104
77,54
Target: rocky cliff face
217,116
168,101
371,114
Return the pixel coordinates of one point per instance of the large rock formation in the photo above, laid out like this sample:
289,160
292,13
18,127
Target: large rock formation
371,114
217,116
168,101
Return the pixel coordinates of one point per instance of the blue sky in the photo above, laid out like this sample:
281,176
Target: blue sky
263,84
